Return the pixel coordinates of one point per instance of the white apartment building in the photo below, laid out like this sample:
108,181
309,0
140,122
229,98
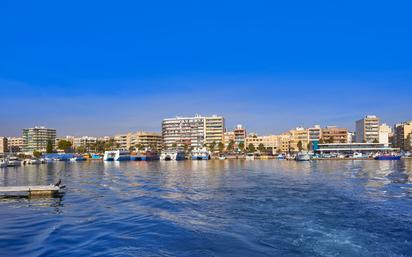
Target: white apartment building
367,129
384,133
197,131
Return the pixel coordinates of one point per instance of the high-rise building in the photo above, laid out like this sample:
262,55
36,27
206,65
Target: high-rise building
37,138
385,132
402,136
240,134
335,135
367,130
4,147
194,132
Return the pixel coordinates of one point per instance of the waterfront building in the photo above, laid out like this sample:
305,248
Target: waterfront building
15,144
37,138
4,146
140,139
333,134
227,137
385,132
351,137
402,135
351,148
195,132
315,133
270,142
367,129
240,134
284,141
298,135
84,141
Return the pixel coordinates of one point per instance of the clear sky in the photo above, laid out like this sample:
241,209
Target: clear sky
106,67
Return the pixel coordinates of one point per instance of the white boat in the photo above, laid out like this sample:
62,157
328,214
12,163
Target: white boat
3,163
117,155
200,154
172,155
13,162
357,155
77,158
250,156
302,157
222,157
34,161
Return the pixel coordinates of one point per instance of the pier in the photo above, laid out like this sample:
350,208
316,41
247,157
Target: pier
49,190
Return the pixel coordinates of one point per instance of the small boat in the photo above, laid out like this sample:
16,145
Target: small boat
78,158
34,161
13,162
173,155
281,157
300,157
200,154
222,157
250,156
388,158
117,155
3,163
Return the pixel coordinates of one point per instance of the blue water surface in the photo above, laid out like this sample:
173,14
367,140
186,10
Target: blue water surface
211,208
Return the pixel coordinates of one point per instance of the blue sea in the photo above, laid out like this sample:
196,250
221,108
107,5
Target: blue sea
211,208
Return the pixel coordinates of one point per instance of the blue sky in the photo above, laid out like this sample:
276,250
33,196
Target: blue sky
106,67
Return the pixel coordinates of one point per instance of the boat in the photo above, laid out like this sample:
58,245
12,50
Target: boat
357,155
13,161
281,157
3,163
78,158
117,155
250,156
34,161
300,157
147,155
172,155
388,157
222,157
200,154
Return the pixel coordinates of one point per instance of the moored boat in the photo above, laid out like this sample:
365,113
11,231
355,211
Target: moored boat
200,154
3,163
300,157
13,162
117,155
388,158
172,155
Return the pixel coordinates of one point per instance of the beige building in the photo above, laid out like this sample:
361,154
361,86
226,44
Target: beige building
385,132
15,144
315,133
214,129
367,129
227,137
335,135
298,135
240,134
402,135
270,142
139,139
285,142
4,147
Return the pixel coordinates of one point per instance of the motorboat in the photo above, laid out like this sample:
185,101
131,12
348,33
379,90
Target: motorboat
13,161
172,155
200,154
117,155
302,157
250,156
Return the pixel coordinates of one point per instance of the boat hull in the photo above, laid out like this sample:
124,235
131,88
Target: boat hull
387,158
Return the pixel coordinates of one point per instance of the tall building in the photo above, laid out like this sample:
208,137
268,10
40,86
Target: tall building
367,129
240,134
315,133
4,147
37,138
297,135
402,136
385,132
335,135
15,144
195,131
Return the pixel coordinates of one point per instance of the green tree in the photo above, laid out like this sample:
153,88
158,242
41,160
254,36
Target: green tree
300,146
261,148
221,147
37,154
212,146
174,145
81,149
241,146
251,148
49,147
231,146
64,145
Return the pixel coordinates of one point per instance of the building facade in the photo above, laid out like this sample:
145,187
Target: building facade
385,132
334,135
402,136
37,138
15,144
270,142
140,139
367,130
315,133
240,134
4,146
193,132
